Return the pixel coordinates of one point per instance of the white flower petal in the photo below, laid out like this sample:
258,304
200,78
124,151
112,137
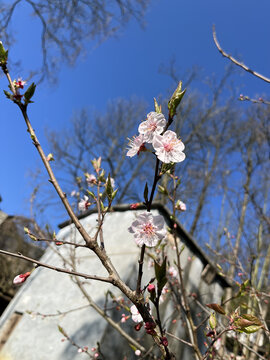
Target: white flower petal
148,229
168,148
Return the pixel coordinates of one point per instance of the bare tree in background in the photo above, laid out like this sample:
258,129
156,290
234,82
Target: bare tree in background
67,25
73,149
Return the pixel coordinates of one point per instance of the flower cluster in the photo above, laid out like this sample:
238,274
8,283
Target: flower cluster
166,145
148,229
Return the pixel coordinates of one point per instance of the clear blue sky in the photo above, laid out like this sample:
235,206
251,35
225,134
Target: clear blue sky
125,66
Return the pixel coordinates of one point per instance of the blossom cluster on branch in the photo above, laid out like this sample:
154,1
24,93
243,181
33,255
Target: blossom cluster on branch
168,148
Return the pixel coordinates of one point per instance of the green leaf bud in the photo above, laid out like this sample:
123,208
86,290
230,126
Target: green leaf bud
176,99
3,54
29,93
213,321
157,107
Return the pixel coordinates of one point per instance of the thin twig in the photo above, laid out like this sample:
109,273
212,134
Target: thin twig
255,101
179,339
236,62
59,313
61,242
55,268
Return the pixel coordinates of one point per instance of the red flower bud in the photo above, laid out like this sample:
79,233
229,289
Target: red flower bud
138,326
164,341
149,327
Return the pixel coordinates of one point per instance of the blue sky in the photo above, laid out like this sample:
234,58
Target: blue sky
124,66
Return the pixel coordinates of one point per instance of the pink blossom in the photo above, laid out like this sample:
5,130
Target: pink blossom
168,148
172,272
19,84
19,279
217,344
138,352
136,145
154,125
180,205
148,229
84,203
164,291
91,179
135,315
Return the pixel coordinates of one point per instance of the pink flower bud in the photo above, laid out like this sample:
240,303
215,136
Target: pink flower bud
19,279
124,318
151,288
138,352
134,206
